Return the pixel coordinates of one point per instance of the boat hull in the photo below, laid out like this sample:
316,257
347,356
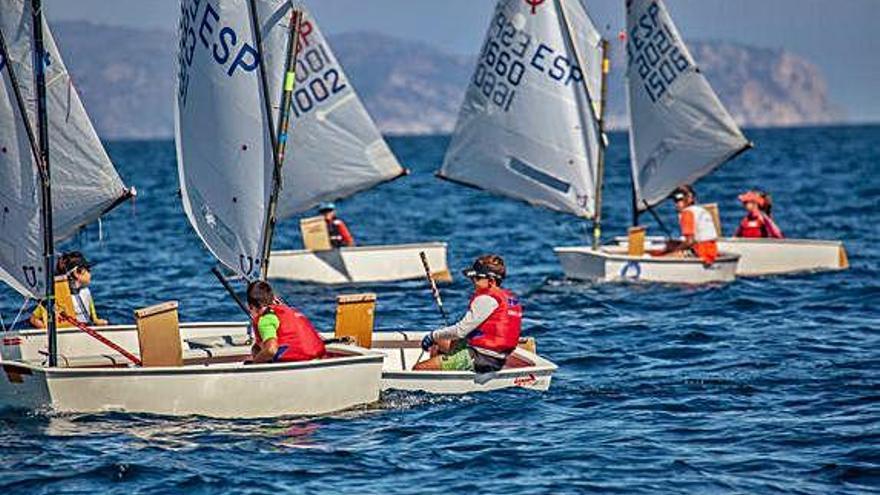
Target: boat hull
612,264
400,350
223,390
361,264
760,257
780,256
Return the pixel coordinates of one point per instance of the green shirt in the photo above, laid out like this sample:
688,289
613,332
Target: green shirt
268,327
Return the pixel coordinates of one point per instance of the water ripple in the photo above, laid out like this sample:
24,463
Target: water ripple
760,386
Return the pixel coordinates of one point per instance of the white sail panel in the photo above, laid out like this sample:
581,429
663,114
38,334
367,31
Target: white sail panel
21,245
84,183
526,129
679,130
335,148
224,152
588,41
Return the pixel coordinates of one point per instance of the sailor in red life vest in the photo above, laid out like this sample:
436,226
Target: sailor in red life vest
282,333
697,228
488,332
757,223
339,234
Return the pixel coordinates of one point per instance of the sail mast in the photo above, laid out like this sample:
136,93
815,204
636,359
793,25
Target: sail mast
280,144
269,224
600,166
289,84
39,61
596,118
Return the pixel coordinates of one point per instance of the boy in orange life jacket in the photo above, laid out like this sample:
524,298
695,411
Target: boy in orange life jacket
339,233
487,333
697,227
757,223
281,332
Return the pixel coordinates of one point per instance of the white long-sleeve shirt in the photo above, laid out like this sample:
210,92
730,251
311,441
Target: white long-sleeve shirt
479,311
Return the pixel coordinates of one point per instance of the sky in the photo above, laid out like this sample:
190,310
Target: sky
840,36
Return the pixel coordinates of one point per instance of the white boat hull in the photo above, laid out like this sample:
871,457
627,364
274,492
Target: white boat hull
361,264
613,264
202,340
780,256
222,390
774,256
402,351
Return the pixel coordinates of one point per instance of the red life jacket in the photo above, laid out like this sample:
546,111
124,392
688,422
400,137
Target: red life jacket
297,338
500,332
339,234
752,227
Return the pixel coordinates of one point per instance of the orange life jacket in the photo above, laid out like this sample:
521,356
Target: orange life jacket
500,332
297,338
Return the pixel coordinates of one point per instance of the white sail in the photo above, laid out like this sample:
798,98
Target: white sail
85,184
224,151
335,149
526,129
679,130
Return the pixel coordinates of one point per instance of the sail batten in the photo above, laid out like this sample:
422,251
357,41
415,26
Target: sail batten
527,129
679,129
85,185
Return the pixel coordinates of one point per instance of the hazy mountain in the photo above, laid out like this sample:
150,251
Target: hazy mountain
126,78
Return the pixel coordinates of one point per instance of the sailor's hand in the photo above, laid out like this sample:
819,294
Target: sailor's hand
428,341
101,322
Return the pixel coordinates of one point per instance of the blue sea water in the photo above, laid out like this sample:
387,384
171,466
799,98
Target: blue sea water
768,385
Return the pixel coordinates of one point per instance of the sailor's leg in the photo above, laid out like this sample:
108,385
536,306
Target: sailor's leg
432,364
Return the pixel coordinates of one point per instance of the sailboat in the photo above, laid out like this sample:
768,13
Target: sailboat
530,125
679,132
220,116
84,182
531,128
336,151
227,162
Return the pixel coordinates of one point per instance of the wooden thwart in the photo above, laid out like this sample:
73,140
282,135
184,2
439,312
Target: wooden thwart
355,318
314,233
159,335
636,241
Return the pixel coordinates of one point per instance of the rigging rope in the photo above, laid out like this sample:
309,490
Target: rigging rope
15,321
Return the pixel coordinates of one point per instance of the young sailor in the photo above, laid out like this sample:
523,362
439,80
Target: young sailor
79,275
757,223
282,333
339,233
487,333
697,227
